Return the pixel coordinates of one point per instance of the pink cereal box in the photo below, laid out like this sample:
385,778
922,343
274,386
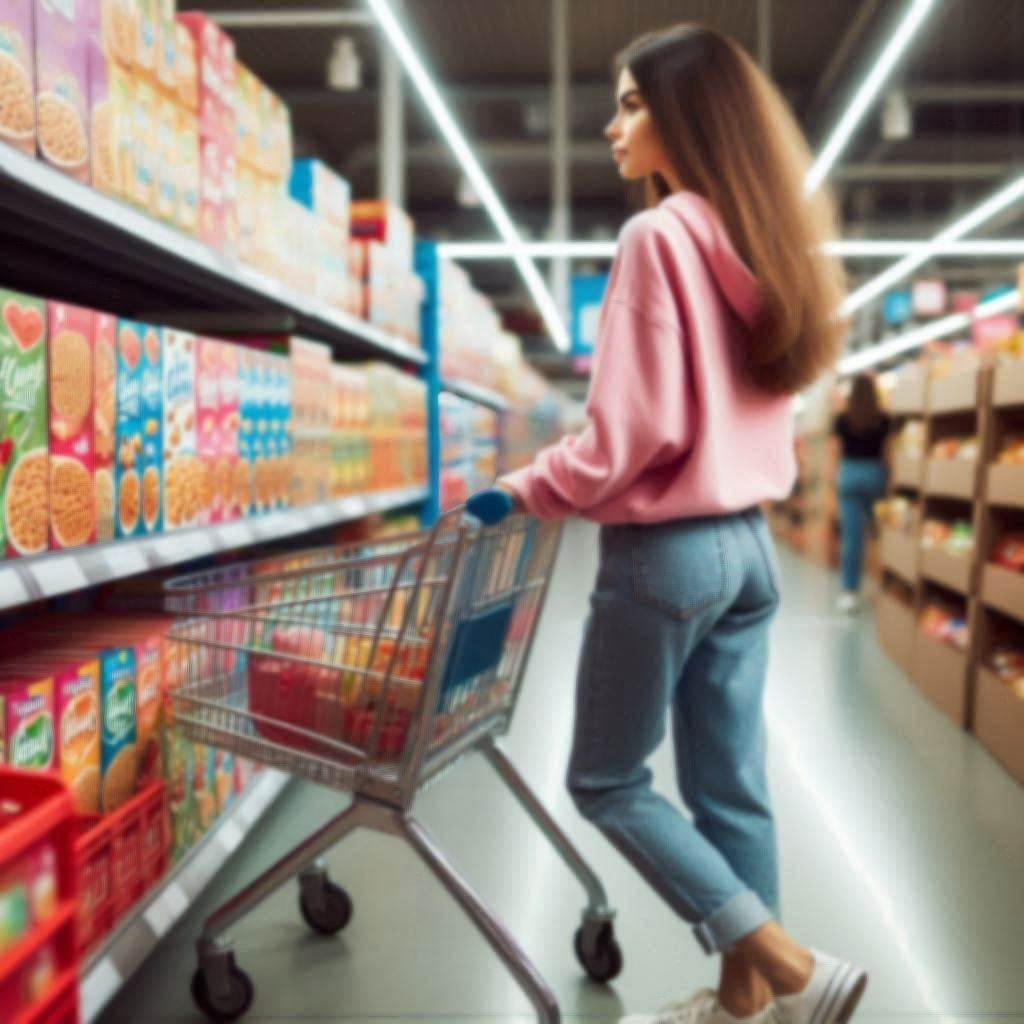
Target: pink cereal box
72,488
104,421
17,73
104,164
234,474
62,86
208,368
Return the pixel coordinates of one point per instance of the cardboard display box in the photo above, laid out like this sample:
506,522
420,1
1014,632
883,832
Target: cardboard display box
1005,486
1003,590
899,552
956,393
907,472
894,621
1008,384
951,478
940,672
999,721
952,571
909,395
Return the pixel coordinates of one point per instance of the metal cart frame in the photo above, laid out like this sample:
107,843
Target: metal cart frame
460,603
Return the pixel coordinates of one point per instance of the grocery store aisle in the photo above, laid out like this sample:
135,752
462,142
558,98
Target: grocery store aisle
902,847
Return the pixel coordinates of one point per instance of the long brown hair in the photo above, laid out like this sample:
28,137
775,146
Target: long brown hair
863,410
732,139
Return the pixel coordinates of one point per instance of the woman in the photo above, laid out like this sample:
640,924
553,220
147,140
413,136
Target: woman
861,431
720,306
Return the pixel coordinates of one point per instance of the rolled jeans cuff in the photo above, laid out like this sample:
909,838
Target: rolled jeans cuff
739,917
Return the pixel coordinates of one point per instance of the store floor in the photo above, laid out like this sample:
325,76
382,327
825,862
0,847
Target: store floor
902,846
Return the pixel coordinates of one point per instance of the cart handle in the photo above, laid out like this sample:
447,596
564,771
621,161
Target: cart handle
491,506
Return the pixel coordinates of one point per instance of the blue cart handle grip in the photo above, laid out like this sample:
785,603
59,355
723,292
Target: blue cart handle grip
491,506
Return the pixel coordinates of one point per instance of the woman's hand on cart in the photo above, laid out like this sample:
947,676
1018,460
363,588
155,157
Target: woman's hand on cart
494,504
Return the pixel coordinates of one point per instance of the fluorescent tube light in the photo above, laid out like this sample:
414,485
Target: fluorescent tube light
865,95
538,250
471,167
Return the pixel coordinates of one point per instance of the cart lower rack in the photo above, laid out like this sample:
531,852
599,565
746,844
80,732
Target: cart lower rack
371,670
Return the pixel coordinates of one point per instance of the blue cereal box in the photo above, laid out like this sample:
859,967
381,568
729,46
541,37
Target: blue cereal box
128,460
118,749
248,405
152,408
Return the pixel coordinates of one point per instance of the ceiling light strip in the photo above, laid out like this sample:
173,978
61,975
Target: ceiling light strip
917,11
453,135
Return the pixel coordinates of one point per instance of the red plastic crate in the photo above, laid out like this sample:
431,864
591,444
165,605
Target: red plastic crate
39,970
121,856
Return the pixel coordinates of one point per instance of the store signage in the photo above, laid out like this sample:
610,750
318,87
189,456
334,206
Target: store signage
929,298
897,307
587,295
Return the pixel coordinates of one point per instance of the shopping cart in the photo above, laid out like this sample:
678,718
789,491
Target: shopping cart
372,669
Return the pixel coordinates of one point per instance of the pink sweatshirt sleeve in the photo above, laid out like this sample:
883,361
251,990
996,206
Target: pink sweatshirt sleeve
637,402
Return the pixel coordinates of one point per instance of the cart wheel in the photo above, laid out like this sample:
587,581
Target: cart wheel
331,913
605,962
229,1006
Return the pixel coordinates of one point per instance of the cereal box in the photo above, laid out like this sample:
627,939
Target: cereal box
146,41
152,429
211,192
120,24
118,751
144,142
323,191
17,75
77,702
182,478
24,473
234,474
122,101
104,421
166,47
72,491
186,69
62,84
167,149
187,163
248,404
148,653
104,170
128,465
208,369
29,727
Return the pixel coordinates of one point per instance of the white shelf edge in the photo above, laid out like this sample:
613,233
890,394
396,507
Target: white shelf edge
475,393
37,176
23,580
148,922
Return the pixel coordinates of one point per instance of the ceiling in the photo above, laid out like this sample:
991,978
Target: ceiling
963,76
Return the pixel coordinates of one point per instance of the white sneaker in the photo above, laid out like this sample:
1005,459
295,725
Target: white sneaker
831,996
848,602
703,1008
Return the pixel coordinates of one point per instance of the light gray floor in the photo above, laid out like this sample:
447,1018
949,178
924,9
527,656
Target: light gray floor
902,846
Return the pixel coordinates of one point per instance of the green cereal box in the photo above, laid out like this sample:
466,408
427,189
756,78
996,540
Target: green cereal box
128,444
29,725
24,427
152,411
118,749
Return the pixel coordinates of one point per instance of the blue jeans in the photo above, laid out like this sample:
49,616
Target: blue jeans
679,626
861,484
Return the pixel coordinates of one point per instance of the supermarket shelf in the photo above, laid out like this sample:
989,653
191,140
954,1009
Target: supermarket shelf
136,938
61,572
475,393
85,247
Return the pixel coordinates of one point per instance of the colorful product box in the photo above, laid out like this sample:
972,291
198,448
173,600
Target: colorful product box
146,41
104,143
187,163
148,654
248,410
167,152
104,421
215,56
128,467
144,142
208,371
72,489
29,725
118,750
234,474
182,477
324,192
213,168
122,100
186,69
62,84
120,21
77,702
17,72
166,47
24,463
152,429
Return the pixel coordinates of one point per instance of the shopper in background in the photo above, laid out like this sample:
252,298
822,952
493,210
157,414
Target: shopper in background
861,431
720,307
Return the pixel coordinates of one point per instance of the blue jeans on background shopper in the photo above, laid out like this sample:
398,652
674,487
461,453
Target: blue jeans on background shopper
861,484
679,625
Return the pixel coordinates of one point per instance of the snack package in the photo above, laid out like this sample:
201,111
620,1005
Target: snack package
118,751
148,670
166,47
72,487
208,372
24,462
187,164
324,192
234,474
77,700
104,420
167,153
17,75
122,107
146,40
104,167
128,466
120,24
144,141
62,85
248,411
152,413
182,476
186,69
29,726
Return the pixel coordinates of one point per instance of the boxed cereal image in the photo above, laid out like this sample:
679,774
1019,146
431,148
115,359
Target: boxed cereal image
24,473
142,187
187,163
29,724
120,26
183,485
152,412
208,373
166,46
122,107
148,642
186,69
128,461
17,75
77,705
72,490
167,150
104,421
146,40
248,404
104,145
233,474
118,750
62,84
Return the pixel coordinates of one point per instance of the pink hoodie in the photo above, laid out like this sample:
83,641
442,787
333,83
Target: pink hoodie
675,429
